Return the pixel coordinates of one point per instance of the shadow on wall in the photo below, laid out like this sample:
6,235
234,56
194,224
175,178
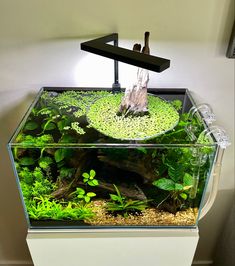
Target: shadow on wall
13,227
225,28
224,252
211,226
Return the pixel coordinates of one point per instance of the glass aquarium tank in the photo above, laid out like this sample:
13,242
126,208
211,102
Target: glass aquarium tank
80,163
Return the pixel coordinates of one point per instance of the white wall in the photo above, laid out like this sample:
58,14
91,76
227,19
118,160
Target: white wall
39,46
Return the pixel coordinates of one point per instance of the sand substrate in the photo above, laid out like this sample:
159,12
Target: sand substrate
150,217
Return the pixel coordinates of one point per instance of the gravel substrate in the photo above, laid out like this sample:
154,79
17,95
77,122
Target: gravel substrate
150,217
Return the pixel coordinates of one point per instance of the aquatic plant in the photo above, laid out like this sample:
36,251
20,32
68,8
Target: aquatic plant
66,172
45,162
207,143
177,184
82,195
41,208
37,141
89,178
76,102
102,115
122,205
75,126
177,104
61,154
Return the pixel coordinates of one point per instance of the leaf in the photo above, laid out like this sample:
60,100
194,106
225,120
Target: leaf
93,182
87,199
178,187
175,172
31,125
59,155
80,191
62,124
92,173
154,154
188,180
183,196
26,161
67,139
48,126
80,196
165,184
66,172
114,197
91,194
142,149
187,187
44,162
86,175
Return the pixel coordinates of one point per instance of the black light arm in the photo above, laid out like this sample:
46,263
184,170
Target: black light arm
99,46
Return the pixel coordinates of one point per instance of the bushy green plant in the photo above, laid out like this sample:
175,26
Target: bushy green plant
42,208
38,141
177,104
84,196
178,188
90,178
45,162
122,205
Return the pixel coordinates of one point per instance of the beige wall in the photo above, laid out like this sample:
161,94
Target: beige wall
39,45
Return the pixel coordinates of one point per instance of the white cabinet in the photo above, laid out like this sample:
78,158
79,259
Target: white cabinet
171,247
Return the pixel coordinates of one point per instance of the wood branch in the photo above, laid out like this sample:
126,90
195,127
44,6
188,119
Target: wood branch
65,188
133,192
146,49
143,167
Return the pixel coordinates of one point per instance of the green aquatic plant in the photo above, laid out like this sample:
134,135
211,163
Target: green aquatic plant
45,162
61,154
177,104
90,178
75,126
122,205
207,143
75,102
83,196
26,161
177,186
34,184
37,141
41,208
26,176
31,125
66,172
102,115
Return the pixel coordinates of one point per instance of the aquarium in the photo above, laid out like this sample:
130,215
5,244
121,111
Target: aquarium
79,163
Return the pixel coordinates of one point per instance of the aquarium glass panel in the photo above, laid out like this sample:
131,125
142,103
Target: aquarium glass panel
80,164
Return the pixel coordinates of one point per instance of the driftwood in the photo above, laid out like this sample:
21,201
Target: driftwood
134,101
142,167
65,188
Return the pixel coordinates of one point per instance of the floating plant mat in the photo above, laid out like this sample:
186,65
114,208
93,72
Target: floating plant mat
102,115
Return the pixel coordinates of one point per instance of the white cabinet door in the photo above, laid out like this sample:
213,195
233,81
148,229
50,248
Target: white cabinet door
113,248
